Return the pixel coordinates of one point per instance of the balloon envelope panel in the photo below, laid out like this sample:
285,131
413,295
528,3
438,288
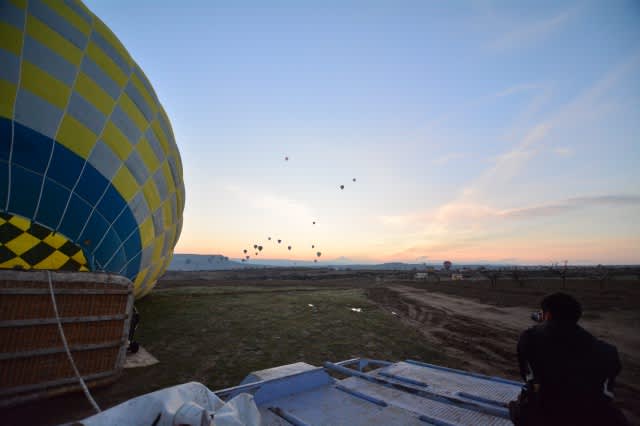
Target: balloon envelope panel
87,153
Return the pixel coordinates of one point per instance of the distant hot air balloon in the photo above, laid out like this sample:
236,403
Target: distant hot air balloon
313,246
314,222
247,257
279,241
315,260
289,247
318,254
256,253
245,251
341,186
255,246
354,179
286,158
446,264
269,238
259,248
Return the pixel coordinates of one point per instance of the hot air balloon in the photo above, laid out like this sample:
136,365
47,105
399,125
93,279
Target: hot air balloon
314,222
318,254
256,253
313,246
255,246
354,179
341,186
248,257
279,241
315,260
245,251
259,248
446,264
286,158
91,179
269,238
289,247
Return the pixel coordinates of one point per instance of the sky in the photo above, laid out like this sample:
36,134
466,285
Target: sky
477,131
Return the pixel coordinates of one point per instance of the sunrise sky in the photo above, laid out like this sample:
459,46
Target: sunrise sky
477,131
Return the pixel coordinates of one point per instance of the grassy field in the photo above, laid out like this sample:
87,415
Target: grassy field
217,335
217,327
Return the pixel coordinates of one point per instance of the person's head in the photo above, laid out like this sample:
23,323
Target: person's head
561,307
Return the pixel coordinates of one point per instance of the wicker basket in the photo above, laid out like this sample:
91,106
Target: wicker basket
95,310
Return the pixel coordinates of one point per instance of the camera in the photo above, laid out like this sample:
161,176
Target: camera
536,316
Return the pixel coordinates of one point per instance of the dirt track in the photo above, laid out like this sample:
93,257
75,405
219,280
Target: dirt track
482,337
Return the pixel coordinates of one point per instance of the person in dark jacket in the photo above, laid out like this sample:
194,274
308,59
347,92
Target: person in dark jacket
569,373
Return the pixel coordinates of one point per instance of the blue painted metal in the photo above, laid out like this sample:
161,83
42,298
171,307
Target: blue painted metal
408,392
424,393
266,390
361,395
482,399
434,421
364,362
465,373
290,385
403,379
291,418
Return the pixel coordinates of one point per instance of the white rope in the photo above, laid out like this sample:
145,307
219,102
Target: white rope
66,347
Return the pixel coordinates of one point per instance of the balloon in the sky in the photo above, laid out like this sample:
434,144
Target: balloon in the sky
286,158
269,238
446,264
279,241
90,173
245,251
289,247
354,179
259,248
318,254
255,246
315,260
313,246
341,186
314,222
248,257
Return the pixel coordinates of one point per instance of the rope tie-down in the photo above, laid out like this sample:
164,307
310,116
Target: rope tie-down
66,348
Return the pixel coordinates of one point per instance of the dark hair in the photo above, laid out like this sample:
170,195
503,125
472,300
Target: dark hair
562,307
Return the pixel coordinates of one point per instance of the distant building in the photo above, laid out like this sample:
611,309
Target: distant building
457,277
421,275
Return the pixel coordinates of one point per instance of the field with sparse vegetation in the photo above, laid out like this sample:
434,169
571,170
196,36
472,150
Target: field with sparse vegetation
217,327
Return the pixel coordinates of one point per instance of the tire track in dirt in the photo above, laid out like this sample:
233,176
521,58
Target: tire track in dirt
482,345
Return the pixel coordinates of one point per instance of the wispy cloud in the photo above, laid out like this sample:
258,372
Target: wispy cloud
570,204
530,32
457,213
483,101
563,151
583,107
270,202
444,159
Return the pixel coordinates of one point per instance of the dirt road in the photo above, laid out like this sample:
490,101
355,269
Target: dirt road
482,337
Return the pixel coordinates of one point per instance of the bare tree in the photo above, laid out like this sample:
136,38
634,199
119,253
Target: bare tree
492,275
603,275
516,275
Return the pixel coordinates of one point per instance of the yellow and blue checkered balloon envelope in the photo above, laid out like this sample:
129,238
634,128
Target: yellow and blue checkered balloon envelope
90,174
